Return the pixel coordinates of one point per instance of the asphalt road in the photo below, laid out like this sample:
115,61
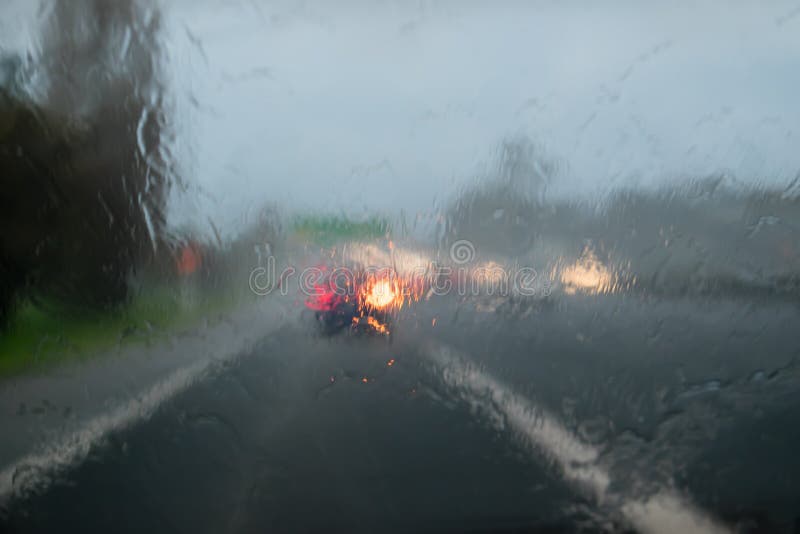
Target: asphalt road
617,412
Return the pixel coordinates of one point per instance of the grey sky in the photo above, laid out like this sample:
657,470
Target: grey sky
375,106
341,107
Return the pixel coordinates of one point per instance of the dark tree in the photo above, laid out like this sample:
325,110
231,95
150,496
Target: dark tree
85,168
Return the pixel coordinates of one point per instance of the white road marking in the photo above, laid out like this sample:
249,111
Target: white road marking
665,512
36,468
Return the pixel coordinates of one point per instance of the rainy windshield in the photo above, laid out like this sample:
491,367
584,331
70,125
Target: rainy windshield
280,266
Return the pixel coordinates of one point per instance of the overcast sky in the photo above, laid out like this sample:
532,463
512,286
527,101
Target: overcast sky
395,104
360,106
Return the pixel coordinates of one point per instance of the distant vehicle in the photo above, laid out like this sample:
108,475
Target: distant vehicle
362,303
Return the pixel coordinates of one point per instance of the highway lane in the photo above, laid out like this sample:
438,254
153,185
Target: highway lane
606,412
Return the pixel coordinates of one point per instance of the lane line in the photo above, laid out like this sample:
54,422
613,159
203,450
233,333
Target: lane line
33,470
665,512
36,469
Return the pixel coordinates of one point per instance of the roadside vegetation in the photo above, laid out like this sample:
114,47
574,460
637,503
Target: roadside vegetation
87,261
39,335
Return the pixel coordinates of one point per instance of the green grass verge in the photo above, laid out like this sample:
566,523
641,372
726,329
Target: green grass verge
37,337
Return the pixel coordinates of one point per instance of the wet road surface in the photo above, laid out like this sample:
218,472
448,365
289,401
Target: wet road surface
579,412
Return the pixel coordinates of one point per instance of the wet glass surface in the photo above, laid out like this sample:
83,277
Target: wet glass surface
392,267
